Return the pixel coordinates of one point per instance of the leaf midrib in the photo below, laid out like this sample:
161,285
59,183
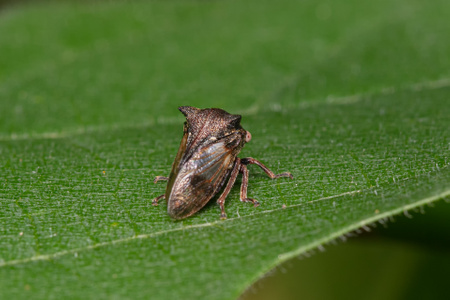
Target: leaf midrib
252,110
281,257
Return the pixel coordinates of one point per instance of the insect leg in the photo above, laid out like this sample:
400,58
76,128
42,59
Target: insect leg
249,160
155,201
160,178
244,185
226,191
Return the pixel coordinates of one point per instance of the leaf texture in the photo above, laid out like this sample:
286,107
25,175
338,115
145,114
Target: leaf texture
357,112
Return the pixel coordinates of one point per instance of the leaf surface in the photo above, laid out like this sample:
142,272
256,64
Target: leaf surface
351,99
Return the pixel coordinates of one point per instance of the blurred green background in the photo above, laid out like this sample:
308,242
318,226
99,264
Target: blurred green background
407,258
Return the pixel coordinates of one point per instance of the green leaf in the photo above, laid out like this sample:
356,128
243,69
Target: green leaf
407,260
352,98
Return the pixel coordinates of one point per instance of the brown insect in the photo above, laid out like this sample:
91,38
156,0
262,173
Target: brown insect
207,156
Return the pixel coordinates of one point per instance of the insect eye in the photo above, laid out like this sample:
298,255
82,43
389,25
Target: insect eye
248,137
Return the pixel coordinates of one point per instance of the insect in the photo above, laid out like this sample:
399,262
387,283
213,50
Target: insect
207,157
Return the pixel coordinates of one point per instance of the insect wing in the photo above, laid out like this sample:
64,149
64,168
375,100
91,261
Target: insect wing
200,178
176,164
